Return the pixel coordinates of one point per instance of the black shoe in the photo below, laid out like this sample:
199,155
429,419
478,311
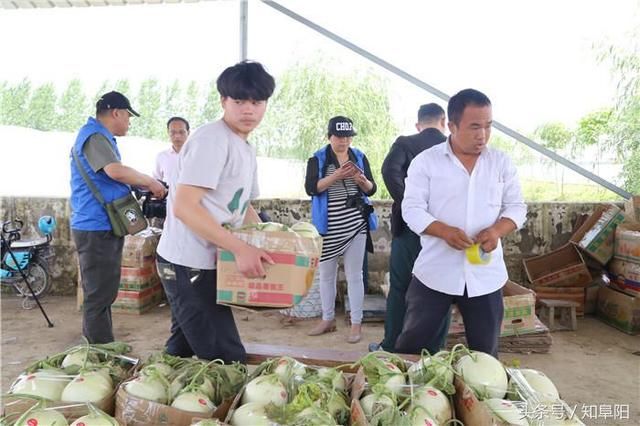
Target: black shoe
374,347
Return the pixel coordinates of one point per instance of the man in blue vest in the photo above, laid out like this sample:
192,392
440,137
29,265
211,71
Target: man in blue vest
99,250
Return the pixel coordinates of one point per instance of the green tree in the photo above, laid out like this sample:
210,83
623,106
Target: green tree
625,118
14,103
149,104
73,107
173,103
212,108
555,136
41,111
593,126
308,95
123,86
4,98
191,105
104,88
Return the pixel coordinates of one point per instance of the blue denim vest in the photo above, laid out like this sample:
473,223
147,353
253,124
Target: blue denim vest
320,202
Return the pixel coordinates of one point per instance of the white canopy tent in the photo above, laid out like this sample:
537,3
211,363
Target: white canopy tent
243,25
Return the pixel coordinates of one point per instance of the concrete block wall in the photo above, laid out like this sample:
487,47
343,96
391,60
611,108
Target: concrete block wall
548,226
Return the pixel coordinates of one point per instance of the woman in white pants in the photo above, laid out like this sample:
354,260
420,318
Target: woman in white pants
339,181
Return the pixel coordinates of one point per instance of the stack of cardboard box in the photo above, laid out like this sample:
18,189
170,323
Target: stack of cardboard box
610,238
619,302
140,287
561,274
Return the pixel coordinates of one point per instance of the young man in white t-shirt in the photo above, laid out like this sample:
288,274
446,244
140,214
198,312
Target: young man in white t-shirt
217,179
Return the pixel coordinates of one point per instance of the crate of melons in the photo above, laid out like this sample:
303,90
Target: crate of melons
284,391
41,415
487,392
173,390
87,373
388,390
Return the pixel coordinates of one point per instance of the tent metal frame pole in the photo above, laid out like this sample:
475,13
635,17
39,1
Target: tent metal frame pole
244,27
442,95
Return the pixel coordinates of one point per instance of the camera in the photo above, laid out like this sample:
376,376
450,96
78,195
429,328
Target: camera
358,202
151,206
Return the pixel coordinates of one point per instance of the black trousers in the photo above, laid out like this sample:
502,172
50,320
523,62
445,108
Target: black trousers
199,326
100,257
427,309
405,249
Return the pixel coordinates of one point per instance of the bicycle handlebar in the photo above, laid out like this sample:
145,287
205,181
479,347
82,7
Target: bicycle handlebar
17,226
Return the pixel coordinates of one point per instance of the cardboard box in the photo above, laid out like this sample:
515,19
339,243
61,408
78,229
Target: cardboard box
469,410
134,411
595,235
620,310
137,302
572,294
632,208
139,278
519,310
14,406
591,299
563,267
627,242
624,276
140,248
287,282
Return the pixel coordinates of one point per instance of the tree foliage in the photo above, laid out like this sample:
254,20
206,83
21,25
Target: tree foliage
73,107
41,110
555,136
625,118
15,103
308,95
212,109
149,105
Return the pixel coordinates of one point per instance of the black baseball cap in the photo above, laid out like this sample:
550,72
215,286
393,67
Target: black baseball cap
114,100
341,126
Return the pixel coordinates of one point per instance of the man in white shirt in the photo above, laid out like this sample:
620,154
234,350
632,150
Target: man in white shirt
167,161
217,179
456,194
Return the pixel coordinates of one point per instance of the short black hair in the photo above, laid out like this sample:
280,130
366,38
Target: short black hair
246,80
461,100
430,112
176,118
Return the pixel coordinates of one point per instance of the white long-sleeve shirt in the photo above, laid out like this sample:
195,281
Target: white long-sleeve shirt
167,166
438,187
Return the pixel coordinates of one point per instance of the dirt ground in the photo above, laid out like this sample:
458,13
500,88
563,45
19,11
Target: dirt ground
596,366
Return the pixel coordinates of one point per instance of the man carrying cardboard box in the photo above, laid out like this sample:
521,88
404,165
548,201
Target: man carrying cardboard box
217,179
458,194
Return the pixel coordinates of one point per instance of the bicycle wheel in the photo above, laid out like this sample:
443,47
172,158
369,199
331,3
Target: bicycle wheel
38,277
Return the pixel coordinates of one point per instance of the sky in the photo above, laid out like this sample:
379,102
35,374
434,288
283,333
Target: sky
535,59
